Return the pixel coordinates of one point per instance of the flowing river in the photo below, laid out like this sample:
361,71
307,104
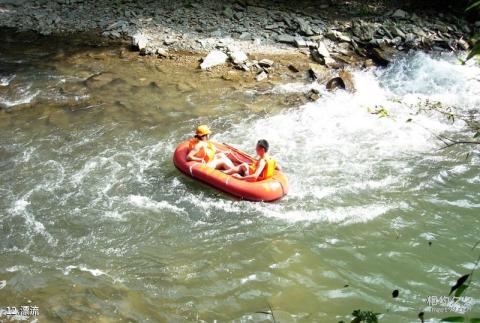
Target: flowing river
96,224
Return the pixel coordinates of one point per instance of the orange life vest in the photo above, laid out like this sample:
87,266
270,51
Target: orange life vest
207,155
267,172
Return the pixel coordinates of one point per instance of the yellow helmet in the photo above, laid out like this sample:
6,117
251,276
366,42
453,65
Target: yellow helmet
202,130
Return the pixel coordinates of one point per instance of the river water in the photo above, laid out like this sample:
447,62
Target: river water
97,224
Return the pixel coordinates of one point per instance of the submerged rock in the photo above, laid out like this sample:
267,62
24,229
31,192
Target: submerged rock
215,57
99,80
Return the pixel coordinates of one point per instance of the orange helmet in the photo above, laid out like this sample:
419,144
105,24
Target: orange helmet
202,130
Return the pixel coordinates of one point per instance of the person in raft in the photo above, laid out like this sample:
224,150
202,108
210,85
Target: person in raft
260,170
203,151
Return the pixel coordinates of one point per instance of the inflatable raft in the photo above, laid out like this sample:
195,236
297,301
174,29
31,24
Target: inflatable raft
270,189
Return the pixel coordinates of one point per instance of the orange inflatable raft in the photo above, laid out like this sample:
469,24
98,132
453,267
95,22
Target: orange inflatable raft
267,190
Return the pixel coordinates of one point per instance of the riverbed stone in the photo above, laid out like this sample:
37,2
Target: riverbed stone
99,80
238,57
213,58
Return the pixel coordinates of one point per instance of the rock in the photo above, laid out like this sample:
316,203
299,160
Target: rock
347,78
319,73
285,38
463,44
313,95
302,43
304,26
169,41
275,26
215,57
231,76
477,24
337,35
140,41
293,68
399,13
364,31
238,57
245,35
261,76
335,83
381,56
398,32
228,12
265,63
161,52
99,80
323,49
322,56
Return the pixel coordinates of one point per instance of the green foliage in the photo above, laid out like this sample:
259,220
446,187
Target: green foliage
453,319
381,111
364,316
459,284
474,4
475,51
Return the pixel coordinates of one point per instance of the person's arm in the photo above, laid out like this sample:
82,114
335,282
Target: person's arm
191,155
277,167
257,173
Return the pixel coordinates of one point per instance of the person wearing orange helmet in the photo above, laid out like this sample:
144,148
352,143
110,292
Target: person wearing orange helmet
203,151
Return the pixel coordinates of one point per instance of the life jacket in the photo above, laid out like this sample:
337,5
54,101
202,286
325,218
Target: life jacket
207,155
267,172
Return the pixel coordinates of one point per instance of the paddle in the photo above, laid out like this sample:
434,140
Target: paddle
250,157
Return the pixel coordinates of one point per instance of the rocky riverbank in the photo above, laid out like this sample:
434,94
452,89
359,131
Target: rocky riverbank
329,35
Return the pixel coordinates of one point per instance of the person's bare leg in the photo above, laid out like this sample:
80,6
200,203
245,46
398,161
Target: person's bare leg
237,169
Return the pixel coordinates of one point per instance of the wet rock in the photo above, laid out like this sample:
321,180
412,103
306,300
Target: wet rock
77,89
381,56
99,80
347,79
293,68
313,95
265,63
261,76
215,57
319,72
231,76
335,83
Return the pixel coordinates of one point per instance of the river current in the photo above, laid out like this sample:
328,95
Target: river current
96,224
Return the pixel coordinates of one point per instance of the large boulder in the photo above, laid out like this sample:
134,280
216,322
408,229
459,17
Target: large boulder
215,57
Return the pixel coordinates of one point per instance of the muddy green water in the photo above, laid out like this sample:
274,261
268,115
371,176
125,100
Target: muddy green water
96,224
